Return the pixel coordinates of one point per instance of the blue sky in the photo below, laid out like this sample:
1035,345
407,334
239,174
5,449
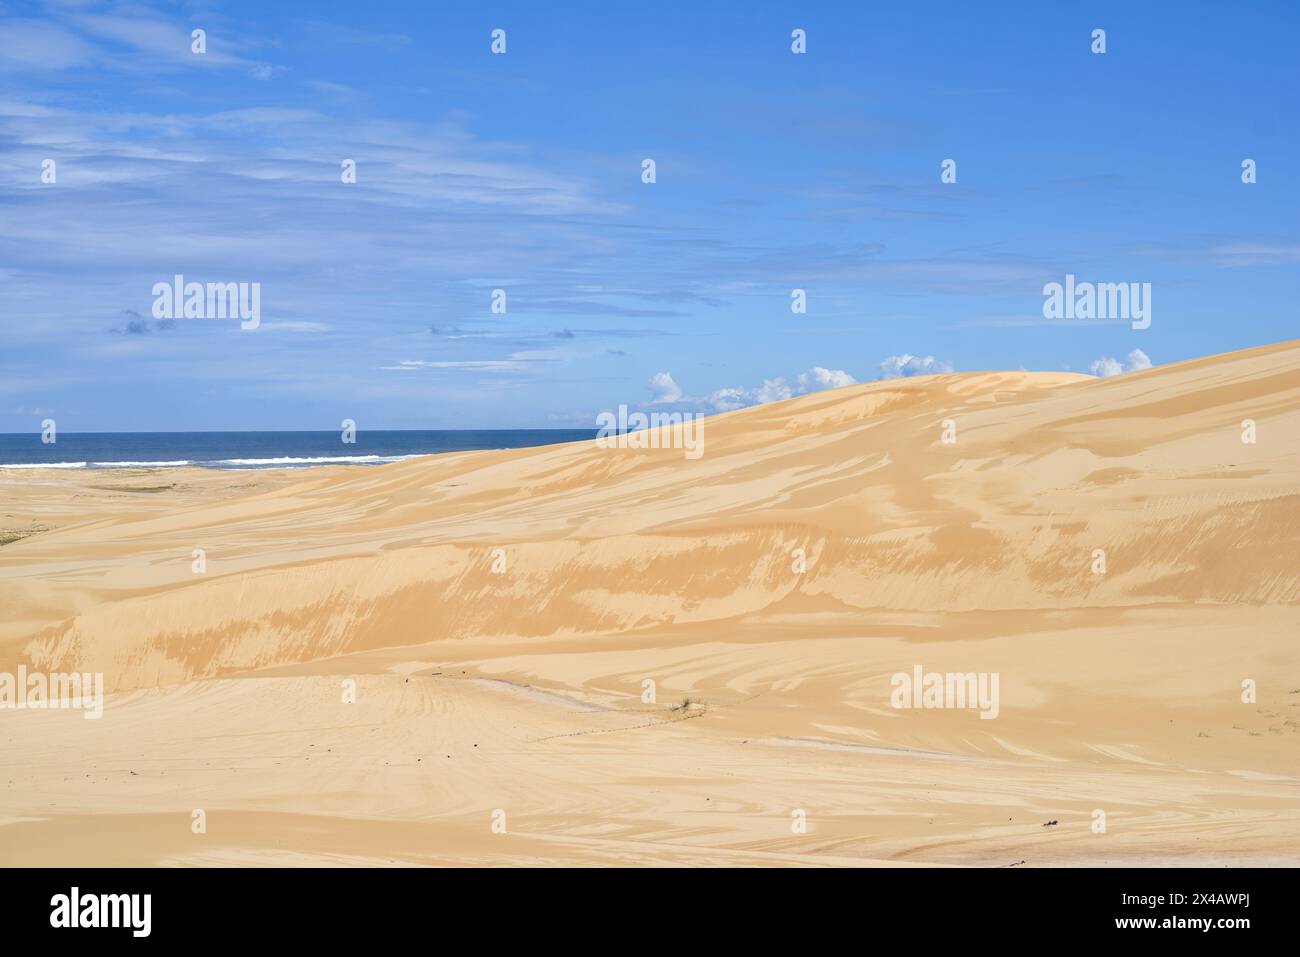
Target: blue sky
522,171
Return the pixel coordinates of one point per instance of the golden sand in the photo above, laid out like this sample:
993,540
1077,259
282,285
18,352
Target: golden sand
501,612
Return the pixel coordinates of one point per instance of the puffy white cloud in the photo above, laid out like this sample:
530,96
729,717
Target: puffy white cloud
724,400
1106,366
909,365
665,389
819,378
773,390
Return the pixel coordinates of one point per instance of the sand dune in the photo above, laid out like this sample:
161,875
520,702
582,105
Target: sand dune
501,611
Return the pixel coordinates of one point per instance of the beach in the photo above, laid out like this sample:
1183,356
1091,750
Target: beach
586,655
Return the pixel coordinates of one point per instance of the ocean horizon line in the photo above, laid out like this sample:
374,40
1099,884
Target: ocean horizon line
260,449
37,432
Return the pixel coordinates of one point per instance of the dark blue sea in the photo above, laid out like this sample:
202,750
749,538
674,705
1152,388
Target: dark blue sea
258,450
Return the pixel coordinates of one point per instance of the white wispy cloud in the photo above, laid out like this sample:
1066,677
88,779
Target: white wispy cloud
514,362
476,365
33,45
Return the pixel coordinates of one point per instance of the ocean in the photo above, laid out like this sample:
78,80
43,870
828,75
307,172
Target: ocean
258,450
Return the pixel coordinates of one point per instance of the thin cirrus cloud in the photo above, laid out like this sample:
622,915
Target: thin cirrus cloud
514,362
333,34
34,45
1228,253
141,41
197,164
